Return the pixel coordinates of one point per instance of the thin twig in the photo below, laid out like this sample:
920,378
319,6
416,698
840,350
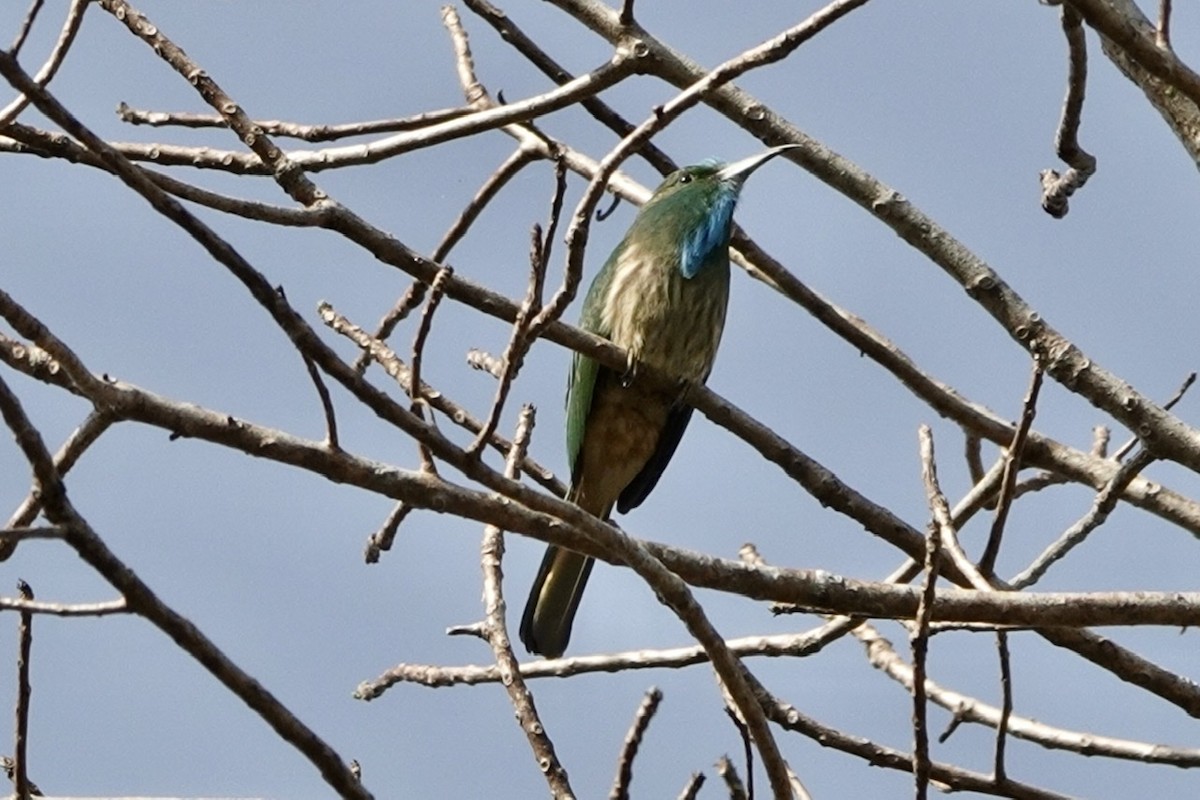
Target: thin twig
415,293
292,130
1012,466
1103,504
743,730
1006,705
1057,189
102,609
947,776
604,113
883,656
58,54
691,789
416,388
919,636
733,782
1125,449
485,362
496,629
331,431
26,26
518,341
626,17
434,676
633,740
92,427
143,601
523,333
1163,29
24,691
402,374
382,539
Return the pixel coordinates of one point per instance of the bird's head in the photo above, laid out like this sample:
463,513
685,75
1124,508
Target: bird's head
692,209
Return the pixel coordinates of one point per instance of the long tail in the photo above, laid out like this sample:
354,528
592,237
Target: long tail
553,601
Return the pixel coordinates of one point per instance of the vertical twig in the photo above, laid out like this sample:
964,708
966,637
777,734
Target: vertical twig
496,630
626,16
416,391
1006,704
1012,465
731,711
331,432
1163,31
919,637
1057,189
733,783
973,449
24,691
523,330
633,740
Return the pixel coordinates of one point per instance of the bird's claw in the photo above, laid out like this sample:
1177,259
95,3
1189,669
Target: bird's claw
631,368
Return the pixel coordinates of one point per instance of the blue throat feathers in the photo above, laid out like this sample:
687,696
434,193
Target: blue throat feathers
711,233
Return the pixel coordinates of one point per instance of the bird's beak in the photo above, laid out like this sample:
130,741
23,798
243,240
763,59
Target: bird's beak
738,171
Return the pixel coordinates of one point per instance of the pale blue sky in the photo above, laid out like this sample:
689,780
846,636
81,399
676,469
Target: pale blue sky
953,104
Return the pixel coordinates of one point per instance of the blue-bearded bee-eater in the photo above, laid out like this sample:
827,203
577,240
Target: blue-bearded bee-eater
661,296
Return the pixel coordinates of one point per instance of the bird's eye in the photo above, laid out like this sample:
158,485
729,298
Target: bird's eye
685,178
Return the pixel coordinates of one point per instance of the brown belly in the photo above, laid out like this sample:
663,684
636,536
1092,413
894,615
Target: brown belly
622,433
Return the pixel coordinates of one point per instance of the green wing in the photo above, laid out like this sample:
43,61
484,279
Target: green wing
586,372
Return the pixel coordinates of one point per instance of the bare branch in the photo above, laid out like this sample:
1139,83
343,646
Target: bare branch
495,630
145,603
331,434
1141,44
1105,501
416,387
24,692
692,789
1006,705
883,656
950,777
292,130
58,54
1012,465
733,782
92,427
633,740
1163,33
1057,189
396,369
26,26
415,293
516,37
919,636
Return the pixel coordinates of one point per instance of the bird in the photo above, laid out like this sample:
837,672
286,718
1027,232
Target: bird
662,296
